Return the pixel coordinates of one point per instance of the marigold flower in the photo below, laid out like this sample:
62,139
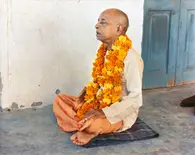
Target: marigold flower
106,74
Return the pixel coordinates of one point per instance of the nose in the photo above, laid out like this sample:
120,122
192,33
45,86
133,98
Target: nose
97,26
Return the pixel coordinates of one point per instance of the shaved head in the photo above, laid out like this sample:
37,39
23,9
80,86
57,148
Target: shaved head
111,24
119,17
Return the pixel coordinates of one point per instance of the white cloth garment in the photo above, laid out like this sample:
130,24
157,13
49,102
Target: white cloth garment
127,109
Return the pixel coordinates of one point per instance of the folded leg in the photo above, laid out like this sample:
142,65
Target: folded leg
99,126
63,108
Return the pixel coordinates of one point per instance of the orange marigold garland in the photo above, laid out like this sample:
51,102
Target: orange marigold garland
106,87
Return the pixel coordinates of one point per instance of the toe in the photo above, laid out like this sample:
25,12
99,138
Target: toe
82,143
77,142
73,137
74,142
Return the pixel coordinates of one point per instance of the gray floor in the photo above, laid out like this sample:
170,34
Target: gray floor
33,132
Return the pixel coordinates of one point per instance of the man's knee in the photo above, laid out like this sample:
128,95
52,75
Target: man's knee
57,98
55,104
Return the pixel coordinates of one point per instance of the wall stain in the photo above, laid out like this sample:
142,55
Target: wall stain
14,106
57,91
22,106
171,83
35,104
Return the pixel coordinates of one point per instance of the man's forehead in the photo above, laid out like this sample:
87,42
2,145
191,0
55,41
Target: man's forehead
106,16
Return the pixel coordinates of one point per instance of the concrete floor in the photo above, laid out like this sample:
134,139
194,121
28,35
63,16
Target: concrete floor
33,132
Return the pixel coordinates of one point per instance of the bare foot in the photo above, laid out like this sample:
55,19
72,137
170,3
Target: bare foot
82,138
68,127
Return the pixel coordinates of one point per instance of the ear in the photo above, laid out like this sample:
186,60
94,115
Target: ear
120,29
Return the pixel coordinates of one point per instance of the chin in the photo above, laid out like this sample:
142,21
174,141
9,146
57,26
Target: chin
98,38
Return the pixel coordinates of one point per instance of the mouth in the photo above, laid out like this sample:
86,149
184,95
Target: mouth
97,33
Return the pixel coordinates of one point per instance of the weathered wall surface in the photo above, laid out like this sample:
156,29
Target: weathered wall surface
50,45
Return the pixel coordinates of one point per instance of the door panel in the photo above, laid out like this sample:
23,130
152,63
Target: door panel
161,20
186,46
158,42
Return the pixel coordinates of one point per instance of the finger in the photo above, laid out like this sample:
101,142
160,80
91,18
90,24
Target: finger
65,99
89,116
83,121
76,118
79,127
79,105
66,108
86,125
74,98
80,124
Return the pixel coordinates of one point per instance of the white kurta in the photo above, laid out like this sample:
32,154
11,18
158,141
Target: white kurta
127,109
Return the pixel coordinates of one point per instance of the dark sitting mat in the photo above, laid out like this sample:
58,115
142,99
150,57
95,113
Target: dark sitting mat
139,131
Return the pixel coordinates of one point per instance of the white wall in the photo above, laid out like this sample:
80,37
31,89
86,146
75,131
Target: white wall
3,46
51,45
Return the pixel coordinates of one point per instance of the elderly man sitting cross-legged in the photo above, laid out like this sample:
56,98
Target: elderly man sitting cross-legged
111,102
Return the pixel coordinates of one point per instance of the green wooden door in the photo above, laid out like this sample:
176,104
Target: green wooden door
186,46
160,36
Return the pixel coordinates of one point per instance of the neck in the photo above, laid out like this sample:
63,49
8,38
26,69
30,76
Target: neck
109,46
109,43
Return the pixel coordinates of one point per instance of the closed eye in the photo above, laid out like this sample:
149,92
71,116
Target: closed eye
102,23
